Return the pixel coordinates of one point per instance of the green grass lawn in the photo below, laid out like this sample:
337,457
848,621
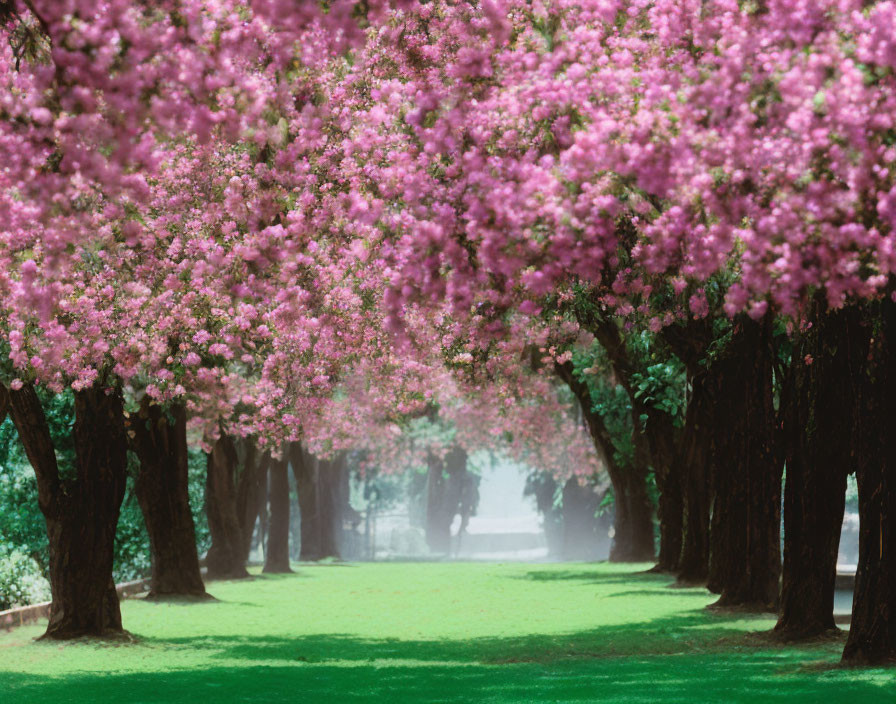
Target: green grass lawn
437,632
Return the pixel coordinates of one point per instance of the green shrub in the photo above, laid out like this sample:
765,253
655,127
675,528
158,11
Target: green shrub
197,468
21,523
21,581
132,557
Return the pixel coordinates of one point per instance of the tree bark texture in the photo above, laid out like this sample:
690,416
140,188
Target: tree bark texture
634,539
277,554
821,401
694,452
637,540
226,556
81,514
251,492
318,484
332,504
748,466
872,630
162,487
693,458
255,511
664,439
305,469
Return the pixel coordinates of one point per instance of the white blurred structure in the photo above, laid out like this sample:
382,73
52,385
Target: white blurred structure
506,525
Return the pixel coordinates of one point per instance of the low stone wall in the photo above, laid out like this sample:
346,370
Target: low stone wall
23,615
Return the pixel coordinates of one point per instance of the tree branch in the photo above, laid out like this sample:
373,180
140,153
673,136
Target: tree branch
34,432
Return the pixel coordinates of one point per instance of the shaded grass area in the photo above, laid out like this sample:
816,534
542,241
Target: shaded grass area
437,632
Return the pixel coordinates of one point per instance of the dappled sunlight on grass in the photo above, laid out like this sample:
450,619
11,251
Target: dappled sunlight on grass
437,632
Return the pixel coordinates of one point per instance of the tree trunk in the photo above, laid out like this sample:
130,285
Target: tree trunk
162,489
668,471
317,485
581,527
255,510
305,469
82,515
633,540
438,513
669,512
748,468
694,459
445,490
718,539
633,522
543,487
225,559
330,508
261,509
821,401
251,489
277,555
467,504
872,630
690,343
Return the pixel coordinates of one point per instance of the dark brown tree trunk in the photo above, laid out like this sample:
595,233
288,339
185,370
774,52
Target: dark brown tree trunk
320,509
748,467
872,630
81,515
162,489
249,490
305,469
694,459
277,555
261,509
718,539
225,559
821,401
330,509
634,535
633,539
669,512
668,472
255,511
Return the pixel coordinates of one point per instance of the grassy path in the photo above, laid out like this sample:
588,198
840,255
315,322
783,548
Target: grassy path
436,632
